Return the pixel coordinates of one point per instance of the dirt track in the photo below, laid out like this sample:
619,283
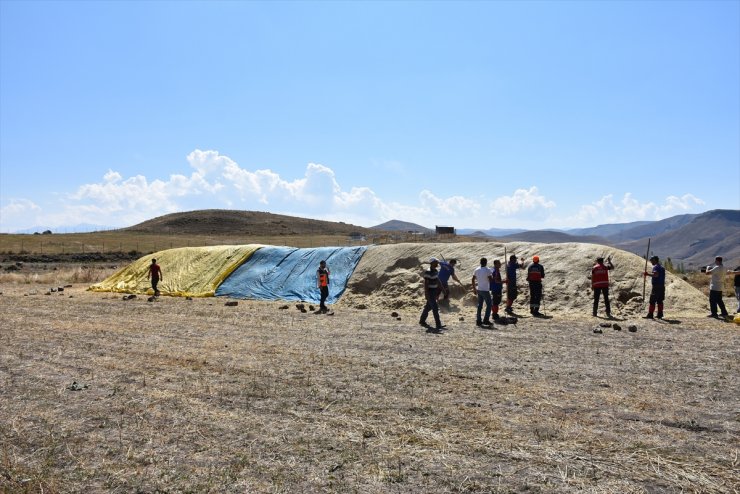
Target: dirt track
181,395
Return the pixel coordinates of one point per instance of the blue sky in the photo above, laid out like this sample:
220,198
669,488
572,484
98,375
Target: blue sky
473,114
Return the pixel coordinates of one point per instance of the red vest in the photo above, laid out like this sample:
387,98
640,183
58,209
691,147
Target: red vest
534,273
599,276
323,277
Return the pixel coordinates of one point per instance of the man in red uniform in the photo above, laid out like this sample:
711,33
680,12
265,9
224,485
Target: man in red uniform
535,275
155,273
322,283
600,283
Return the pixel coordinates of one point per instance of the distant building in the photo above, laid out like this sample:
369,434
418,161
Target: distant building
445,230
356,237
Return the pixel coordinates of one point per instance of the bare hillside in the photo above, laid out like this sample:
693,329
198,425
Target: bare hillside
229,222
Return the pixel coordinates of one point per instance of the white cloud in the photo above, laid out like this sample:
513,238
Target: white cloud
19,214
524,201
218,181
607,210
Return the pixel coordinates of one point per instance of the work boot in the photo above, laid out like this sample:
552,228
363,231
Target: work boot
660,315
609,315
487,323
649,316
478,323
509,310
496,317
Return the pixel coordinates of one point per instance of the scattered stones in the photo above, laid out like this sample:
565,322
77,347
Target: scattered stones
397,319
303,311
632,328
75,386
232,303
598,330
129,297
361,306
283,307
60,289
605,325
394,314
67,286
47,293
300,307
311,308
52,290
616,327
461,318
188,298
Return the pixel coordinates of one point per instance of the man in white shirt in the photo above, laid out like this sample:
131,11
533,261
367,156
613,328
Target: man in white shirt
482,288
715,288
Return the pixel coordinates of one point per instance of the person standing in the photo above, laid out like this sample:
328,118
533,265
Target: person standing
600,283
447,270
511,290
657,292
155,273
535,275
497,286
481,283
715,288
736,272
431,292
322,283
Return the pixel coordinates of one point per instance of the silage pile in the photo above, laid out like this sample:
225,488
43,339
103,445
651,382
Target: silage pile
389,277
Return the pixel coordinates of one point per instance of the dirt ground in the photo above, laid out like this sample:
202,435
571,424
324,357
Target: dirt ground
102,394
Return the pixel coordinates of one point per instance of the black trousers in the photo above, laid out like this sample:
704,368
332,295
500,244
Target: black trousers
324,296
535,296
597,293
715,300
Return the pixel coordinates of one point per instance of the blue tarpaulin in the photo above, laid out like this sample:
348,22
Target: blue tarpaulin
289,273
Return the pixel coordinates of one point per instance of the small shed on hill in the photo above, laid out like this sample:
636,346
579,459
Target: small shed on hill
445,230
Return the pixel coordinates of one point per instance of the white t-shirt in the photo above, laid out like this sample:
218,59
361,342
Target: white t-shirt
718,277
481,275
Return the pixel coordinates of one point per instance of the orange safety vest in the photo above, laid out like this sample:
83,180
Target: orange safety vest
535,273
323,278
600,276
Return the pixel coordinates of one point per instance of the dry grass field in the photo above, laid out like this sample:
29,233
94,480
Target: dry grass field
176,395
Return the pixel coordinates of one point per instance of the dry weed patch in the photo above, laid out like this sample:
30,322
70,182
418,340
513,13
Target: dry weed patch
192,396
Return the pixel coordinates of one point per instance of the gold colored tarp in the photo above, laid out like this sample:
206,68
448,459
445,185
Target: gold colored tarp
186,272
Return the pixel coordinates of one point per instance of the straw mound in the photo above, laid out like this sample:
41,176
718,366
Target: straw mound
389,276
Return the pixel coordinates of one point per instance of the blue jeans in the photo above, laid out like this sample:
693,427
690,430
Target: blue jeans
484,295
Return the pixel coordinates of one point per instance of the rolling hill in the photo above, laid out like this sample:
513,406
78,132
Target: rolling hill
401,226
228,222
710,234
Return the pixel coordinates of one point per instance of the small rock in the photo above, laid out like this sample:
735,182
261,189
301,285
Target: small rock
303,311
616,327
60,289
598,330
632,328
52,290
300,306
67,286
283,307
311,308
151,299
361,306
47,293
188,298
606,325
397,319
461,318
71,296
233,303
394,314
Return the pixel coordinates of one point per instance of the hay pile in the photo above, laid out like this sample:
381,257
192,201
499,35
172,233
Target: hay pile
389,277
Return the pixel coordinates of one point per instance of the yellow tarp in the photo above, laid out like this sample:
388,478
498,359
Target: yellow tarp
186,272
